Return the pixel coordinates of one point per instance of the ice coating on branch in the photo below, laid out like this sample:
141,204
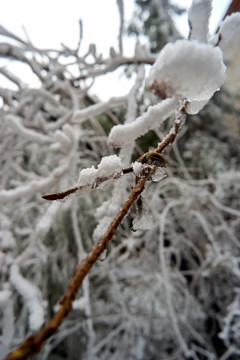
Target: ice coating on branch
143,219
198,18
159,174
187,69
151,119
229,28
137,167
145,222
194,107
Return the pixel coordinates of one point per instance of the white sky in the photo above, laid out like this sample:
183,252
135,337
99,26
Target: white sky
52,22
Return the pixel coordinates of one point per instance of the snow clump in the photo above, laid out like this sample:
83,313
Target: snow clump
187,69
109,169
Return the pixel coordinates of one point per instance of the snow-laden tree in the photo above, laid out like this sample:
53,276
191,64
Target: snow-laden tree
167,286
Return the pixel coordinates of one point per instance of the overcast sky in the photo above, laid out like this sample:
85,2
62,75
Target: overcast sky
52,22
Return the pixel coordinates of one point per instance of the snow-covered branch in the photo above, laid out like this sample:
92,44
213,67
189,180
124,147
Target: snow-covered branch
164,280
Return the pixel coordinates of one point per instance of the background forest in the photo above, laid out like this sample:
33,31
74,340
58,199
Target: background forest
167,287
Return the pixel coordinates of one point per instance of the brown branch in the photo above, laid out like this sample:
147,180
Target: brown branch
169,139
59,195
34,343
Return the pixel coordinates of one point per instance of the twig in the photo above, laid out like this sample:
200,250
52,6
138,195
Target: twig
116,63
169,139
34,343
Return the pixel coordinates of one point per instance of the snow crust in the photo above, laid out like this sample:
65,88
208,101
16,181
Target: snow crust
187,69
198,17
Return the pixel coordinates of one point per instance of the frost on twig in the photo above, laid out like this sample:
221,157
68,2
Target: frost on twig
32,297
155,115
96,109
107,172
198,17
229,28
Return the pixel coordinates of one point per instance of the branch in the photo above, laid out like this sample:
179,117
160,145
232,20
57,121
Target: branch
115,63
150,158
34,343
